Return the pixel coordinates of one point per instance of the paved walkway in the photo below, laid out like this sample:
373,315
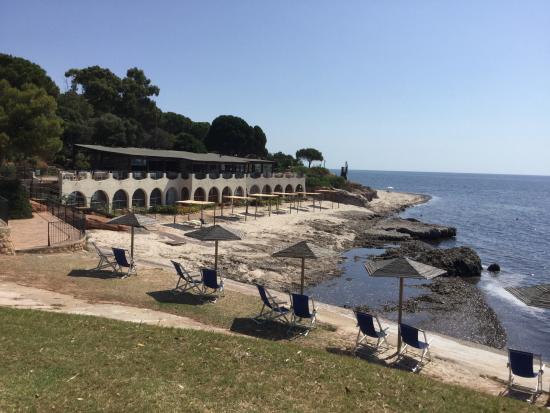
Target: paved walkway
32,232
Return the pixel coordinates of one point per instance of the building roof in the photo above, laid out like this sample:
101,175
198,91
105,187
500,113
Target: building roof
162,153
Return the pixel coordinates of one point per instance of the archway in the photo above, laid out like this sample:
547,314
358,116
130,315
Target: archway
120,200
76,199
99,201
184,194
254,189
266,189
138,198
213,195
288,189
299,188
226,192
199,195
171,196
155,198
278,188
239,191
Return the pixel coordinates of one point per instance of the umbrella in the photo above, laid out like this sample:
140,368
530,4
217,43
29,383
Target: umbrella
535,296
303,250
401,268
133,220
214,233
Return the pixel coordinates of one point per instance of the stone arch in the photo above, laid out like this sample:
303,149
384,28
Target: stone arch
77,199
184,194
266,189
139,198
288,189
199,195
254,189
155,198
213,195
171,196
120,199
99,201
299,188
226,192
278,188
239,191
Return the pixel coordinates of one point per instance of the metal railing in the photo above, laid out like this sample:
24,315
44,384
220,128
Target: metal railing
4,210
71,224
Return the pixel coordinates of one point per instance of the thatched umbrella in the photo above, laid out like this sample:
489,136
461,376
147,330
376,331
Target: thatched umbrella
534,296
133,220
214,233
401,268
303,250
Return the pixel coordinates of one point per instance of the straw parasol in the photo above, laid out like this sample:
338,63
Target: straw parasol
401,268
534,296
214,233
133,220
303,250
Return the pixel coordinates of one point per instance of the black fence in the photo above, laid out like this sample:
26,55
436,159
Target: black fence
4,210
70,227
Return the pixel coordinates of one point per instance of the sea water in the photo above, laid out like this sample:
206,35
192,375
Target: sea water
505,218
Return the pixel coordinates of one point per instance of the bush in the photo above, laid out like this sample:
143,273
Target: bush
318,177
18,198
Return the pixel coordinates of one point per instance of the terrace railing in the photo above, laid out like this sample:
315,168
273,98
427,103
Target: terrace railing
255,175
239,175
227,175
156,174
120,175
100,175
71,224
139,175
213,175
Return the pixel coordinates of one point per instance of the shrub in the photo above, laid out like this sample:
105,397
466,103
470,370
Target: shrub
18,198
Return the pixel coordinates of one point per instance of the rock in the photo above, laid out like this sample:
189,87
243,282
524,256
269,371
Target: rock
493,267
359,195
417,229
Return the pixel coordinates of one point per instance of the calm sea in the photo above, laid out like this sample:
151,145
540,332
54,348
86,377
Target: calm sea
505,218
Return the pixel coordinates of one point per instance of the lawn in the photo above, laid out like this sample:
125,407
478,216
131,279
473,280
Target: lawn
76,363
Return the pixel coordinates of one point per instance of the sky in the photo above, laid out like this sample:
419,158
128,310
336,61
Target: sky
448,86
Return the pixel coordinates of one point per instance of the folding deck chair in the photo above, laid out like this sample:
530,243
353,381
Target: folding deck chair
520,363
409,335
365,322
210,284
271,309
185,281
122,262
301,315
106,258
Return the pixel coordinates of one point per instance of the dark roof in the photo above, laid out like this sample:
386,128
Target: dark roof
162,153
535,296
402,268
213,233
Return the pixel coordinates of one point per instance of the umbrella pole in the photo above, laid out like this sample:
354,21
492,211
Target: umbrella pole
246,210
216,255
214,214
132,244
201,216
399,315
302,278
256,209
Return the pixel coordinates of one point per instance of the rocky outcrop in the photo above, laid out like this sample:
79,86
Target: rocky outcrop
493,268
417,229
357,195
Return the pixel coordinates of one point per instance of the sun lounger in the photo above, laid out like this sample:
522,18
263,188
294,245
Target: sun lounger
409,335
106,258
121,262
210,283
185,281
365,322
520,363
302,315
271,308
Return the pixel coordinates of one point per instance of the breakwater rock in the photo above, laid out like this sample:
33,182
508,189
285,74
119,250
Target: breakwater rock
357,195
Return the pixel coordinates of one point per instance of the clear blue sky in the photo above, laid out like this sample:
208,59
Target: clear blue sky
391,85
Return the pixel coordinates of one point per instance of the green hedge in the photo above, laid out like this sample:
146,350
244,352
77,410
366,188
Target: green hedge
18,198
318,177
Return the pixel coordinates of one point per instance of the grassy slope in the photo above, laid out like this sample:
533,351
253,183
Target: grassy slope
74,363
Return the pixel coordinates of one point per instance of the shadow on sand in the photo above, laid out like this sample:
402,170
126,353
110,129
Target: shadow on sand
168,296
93,273
269,330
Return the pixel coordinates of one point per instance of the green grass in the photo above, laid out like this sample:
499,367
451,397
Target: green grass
75,363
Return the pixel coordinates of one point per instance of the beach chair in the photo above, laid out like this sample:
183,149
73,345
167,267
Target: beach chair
185,281
301,315
106,258
365,322
210,285
121,262
409,335
521,364
271,308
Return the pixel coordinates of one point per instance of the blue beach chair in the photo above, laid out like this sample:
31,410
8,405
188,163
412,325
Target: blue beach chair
365,322
121,261
409,335
302,315
185,281
520,363
271,308
210,284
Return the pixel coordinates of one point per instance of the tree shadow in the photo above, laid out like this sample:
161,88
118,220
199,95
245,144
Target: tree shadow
93,273
268,330
169,297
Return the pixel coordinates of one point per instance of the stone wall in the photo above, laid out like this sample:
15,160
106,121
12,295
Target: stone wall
6,246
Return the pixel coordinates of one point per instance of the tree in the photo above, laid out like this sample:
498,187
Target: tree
309,155
29,125
18,71
283,161
159,139
199,130
187,142
231,135
100,87
175,123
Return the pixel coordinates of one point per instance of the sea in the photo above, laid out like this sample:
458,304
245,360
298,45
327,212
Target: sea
504,218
